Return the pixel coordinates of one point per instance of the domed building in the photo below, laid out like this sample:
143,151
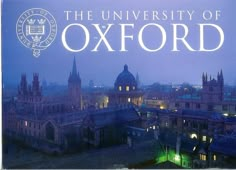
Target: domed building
125,90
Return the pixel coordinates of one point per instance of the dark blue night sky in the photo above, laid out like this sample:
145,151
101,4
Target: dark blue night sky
55,63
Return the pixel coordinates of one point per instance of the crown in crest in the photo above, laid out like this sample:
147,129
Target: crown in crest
31,21
36,38
41,21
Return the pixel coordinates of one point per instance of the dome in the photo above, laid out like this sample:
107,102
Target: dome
125,81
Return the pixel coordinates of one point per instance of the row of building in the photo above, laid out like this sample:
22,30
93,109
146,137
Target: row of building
193,129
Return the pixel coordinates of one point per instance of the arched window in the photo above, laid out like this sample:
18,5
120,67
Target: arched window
50,131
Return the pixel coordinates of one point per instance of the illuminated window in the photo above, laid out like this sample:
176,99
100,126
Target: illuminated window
184,121
26,123
154,127
214,157
193,135
202,157
133,88
129,100
204,138
127,88
120,88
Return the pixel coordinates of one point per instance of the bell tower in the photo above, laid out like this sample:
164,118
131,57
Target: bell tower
213,89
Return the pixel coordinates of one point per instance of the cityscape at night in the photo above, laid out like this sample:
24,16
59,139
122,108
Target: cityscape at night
118,85
164,126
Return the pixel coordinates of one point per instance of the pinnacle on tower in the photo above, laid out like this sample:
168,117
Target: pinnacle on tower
74,75
74,69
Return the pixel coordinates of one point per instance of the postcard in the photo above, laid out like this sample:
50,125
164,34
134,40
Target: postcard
118,84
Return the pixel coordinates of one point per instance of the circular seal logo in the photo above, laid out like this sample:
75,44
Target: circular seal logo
36,29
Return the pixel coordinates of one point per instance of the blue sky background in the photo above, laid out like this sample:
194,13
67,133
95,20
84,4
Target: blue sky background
55,63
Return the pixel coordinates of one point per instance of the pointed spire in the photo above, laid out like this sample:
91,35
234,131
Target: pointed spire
74,69
74,75
221,73
203,77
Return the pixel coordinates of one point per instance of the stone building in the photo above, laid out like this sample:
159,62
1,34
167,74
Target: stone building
199,132
125,90
212,98
56,124
212,89
108,126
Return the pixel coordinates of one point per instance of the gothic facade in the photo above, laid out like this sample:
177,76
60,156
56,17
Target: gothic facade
213,89
211,98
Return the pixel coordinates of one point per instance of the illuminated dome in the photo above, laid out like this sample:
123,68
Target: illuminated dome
125,81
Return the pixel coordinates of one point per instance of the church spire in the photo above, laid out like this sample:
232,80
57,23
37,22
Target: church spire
74,75
74,69
221,73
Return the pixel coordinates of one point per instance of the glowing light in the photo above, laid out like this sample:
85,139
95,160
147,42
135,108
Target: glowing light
177,157
162,107
194,148
203,138
202,157
147,129
120,88
210,140
193,135
214,157
183,160
226,114
129,100
154,127
127,88
26,123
